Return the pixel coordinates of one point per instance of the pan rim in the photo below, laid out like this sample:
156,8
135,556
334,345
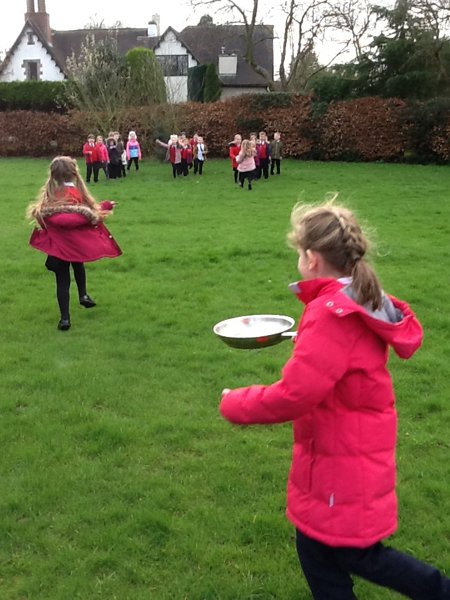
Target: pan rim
290,322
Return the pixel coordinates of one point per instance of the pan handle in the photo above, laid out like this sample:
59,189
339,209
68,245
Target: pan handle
289,334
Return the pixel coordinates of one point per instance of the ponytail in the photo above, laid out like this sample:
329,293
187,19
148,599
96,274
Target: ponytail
335,233
366,285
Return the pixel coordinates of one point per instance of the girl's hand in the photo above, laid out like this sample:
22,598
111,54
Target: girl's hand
225,391
107,205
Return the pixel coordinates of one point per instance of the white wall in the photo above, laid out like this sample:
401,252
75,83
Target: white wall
176,87
49,71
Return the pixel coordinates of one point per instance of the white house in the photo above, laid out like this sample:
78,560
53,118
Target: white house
175,60
41,53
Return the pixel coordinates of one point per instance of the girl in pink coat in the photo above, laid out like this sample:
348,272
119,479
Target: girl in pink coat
133,151
246,163
337,391
70,230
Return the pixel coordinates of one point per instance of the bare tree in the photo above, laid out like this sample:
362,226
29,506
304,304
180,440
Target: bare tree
433,14
305,25
95,22
97,80
357,19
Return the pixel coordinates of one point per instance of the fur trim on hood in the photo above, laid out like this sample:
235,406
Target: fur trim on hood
81,209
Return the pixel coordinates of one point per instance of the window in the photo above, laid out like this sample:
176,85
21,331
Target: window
32,69
30,37
173,64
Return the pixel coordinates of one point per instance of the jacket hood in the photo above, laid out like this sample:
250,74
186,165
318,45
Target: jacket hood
395,323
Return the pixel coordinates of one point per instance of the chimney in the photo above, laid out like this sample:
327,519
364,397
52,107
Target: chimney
157,20
30,9
152,29
227,65
39,18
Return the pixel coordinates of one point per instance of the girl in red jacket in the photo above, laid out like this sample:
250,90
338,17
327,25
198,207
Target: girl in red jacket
90,156
337,391
173,155
70,229
234,148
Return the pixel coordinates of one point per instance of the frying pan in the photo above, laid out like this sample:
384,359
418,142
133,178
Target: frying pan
255,331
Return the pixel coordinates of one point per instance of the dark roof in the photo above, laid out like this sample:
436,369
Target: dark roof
204,42
209,41
66,43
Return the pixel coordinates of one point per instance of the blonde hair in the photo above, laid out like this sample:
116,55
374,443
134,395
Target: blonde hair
63,169
335,233
247,149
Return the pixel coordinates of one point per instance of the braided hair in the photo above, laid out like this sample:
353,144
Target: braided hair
334,232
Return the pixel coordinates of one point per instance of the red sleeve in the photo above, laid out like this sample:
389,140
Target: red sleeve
318,361
106,205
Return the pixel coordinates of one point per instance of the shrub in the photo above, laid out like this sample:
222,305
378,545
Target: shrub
428,124
273,100
196,83
366,129
213,87
145,84
34,95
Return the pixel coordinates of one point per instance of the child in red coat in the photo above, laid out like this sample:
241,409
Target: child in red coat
70,230
337,391
102,158
234,148
173,155
90,156
186,155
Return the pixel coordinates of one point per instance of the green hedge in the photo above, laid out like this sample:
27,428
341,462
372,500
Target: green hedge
365,129
34,95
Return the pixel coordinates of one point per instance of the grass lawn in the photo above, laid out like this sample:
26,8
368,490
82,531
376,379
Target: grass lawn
118,478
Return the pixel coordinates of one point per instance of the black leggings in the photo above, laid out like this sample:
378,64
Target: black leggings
329,571
61,269
134,160
176,169
249,175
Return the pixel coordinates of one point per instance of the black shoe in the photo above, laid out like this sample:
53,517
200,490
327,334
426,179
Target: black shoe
64,324
87,301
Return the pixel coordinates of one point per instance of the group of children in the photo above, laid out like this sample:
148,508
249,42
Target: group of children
114,157
341,493
252,158
185,153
